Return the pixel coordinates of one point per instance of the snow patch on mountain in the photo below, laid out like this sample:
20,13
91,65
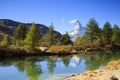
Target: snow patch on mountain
78,30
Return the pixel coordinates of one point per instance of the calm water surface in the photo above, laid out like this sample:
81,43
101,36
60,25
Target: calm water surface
53,68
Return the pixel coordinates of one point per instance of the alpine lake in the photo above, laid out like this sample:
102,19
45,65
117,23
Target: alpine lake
53,67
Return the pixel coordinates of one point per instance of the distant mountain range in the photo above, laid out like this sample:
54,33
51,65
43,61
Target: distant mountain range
8,26
78,30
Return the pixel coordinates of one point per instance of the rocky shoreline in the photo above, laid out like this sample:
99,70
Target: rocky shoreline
109,72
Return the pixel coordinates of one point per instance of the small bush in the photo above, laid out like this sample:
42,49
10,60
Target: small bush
60,49
79,47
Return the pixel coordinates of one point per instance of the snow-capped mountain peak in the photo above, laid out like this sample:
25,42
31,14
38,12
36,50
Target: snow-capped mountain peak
78,30
77,25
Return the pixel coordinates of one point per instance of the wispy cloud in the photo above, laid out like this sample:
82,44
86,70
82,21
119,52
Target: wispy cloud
62,20
73,21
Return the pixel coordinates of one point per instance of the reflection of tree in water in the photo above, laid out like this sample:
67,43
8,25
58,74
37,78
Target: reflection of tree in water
20,65
101,59
76,58
33,70
92,63
51,64
66,61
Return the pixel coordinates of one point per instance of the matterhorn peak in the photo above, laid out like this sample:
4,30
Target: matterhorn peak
77,25
78,30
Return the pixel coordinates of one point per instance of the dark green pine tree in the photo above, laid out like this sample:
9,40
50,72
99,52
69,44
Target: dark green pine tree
51,36
116,35
107,33
65,39
33,36
92,32
19,34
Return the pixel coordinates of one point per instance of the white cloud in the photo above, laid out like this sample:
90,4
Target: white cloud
62,20
73,21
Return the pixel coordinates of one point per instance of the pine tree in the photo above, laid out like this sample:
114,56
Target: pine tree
80,40
51,36
33,36
65,39
92,32
5,41
116,35
107,33
19,34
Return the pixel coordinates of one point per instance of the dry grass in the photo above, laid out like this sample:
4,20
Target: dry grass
90,46
112,69
60,49
79,47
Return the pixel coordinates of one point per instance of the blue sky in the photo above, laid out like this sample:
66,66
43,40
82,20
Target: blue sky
61,12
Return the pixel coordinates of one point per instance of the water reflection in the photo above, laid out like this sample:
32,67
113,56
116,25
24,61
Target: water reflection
33,69
75,61
95,61
51,64
66,61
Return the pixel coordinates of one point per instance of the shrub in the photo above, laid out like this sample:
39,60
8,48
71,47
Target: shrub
60,49
79,47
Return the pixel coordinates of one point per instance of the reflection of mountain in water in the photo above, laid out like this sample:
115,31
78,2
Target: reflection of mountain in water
42,68
75,61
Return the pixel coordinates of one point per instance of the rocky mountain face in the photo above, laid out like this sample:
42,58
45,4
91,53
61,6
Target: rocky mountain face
8,26
78,30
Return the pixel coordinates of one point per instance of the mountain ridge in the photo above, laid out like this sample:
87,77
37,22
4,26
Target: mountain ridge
7,26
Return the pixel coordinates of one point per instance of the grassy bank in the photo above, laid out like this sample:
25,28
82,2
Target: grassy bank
15,51
11,52
59,49
82,48
20,52
109,72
